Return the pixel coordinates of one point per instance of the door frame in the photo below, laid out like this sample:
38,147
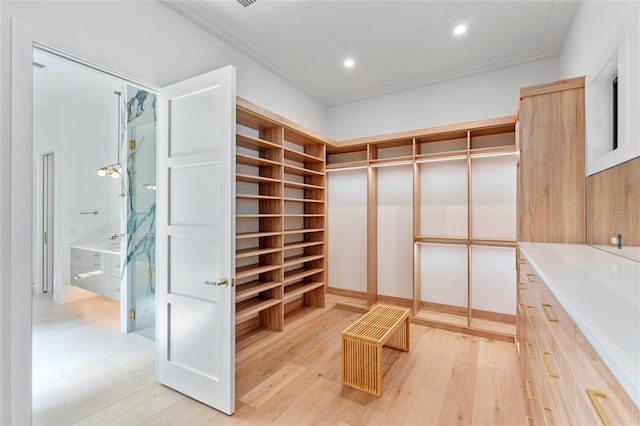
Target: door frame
16,263
39,209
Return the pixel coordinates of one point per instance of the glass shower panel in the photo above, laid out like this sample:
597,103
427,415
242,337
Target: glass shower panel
141,210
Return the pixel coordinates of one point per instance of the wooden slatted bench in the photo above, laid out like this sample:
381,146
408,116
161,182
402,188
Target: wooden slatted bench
362,342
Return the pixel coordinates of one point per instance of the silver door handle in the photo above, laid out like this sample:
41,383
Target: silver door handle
223,282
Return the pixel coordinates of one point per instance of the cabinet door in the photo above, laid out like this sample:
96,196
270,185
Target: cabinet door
552,195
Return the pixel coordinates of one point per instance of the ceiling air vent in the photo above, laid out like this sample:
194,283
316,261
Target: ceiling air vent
246,3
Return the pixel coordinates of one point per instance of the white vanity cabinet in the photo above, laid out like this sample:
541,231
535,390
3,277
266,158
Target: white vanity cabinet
114,279
96,271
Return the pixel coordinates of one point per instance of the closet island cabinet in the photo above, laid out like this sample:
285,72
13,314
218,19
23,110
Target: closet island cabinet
565,378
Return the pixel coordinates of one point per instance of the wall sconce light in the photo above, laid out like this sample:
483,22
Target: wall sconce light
114,170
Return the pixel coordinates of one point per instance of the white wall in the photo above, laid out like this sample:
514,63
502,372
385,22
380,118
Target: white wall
489,95
606,35
593,29
83,139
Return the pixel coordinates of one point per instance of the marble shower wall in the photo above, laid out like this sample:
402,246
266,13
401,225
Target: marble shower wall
140,185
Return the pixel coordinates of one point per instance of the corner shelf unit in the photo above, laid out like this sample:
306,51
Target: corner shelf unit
280,218
455,153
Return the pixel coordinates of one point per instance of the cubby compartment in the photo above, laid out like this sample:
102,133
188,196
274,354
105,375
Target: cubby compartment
348,157
397,151
447,144
493,139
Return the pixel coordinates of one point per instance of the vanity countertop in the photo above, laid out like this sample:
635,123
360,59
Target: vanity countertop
100,247
601,292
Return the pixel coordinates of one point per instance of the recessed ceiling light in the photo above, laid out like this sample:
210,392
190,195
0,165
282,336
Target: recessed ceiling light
349,63
460,29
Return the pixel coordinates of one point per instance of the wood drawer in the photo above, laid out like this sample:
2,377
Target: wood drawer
557,322
557,382
598,389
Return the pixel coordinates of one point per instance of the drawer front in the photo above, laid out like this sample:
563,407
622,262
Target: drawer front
556,321
114,290
115,266
598,389
557,382
85,260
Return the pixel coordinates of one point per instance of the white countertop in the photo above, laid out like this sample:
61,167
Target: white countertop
101,247
601,292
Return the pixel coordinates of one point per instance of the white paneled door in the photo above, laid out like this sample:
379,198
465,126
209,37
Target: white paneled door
196,246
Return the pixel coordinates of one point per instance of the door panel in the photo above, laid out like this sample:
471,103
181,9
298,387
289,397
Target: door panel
193,261
196,245
192,128
187,204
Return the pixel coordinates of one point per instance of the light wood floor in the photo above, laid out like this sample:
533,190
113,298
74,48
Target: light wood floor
85,372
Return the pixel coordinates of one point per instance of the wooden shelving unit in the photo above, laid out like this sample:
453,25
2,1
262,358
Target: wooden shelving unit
280,220
468,144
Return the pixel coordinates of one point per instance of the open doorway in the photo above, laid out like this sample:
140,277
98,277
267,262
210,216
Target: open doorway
94,318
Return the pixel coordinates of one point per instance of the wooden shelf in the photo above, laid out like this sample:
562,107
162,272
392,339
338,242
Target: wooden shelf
251,270
302,200
303,215
295,170
302,231
302,244
298,274
302,185
439,156
392,160
256,197
250,252
292,291
250,307
440,240
254,288
257,215
257,144
492,242
297,260
255,161
301,157
348,165
480,152
246,235
241,177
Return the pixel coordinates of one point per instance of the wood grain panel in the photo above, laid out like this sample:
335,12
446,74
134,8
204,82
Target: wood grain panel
552,182
613,204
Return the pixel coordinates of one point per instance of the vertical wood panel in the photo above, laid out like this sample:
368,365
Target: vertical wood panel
552,168
614,204
372,235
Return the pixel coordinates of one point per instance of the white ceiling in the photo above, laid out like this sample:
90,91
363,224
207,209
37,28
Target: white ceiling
396,44
61,80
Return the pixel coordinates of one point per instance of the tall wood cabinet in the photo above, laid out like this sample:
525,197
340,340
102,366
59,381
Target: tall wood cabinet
551,192
280,218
